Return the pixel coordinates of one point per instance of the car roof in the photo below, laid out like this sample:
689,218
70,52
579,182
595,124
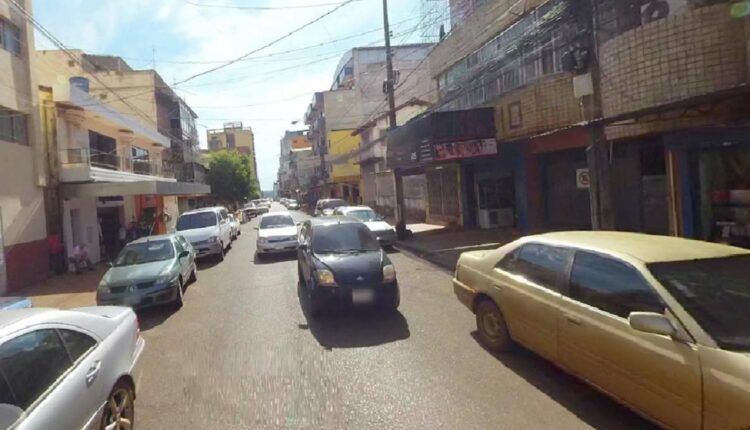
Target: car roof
354,208
647,248
13,316
334,219
155,237
268,214
208,209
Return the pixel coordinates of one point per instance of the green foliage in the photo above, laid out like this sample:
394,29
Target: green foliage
231,177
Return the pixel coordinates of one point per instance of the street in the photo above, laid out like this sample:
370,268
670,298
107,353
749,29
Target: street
241,353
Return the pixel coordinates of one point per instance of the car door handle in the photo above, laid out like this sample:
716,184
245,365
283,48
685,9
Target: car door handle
93,371
573,320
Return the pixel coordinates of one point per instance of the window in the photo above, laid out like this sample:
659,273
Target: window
32,363
230,141
542,264
611,286
10,37
178,246
139,153
508,263
78,344
13,126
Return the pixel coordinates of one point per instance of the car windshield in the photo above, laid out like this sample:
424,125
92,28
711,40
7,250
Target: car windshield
331,204
277,221
196,220
342,238
716,292
364,215
145,252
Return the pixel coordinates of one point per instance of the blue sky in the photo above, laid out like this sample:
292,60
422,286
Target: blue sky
174,32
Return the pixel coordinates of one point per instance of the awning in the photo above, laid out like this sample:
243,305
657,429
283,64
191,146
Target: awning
159,188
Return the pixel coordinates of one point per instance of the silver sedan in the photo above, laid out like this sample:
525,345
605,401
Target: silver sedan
75,369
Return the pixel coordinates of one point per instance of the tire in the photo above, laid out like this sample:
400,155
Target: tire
491,326
119,407
394,302
220,257
178,302
193,275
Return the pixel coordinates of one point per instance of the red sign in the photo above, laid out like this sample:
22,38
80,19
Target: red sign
467,149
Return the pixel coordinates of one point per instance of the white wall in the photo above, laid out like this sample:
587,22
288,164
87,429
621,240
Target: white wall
88,226
171,208
21,202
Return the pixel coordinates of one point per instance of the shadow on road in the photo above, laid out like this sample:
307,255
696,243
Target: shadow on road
354,327
596,409
275,258
207,262
155,316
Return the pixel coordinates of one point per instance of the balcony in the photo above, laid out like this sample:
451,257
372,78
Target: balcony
85,165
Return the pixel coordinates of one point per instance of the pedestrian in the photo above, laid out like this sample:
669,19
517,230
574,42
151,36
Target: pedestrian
80,259
122,236
57,261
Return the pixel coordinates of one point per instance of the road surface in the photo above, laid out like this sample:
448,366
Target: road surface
242,354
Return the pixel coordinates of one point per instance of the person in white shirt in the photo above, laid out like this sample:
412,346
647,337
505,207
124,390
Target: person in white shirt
80,258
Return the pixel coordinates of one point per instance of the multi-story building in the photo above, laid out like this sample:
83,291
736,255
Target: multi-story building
234,137
356,96
109,154
23,232
618,114
291,184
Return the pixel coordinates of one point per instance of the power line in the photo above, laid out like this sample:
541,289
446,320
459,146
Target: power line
273,42
223,6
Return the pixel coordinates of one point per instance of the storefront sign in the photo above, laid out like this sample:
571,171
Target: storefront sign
582,179
467,149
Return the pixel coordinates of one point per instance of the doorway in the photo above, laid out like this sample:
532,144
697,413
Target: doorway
110,220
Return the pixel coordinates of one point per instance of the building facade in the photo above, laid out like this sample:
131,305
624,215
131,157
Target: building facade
24,257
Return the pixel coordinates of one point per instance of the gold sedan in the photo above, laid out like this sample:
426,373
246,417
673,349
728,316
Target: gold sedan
661,324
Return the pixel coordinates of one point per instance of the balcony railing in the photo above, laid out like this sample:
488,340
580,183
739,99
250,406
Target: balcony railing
85,156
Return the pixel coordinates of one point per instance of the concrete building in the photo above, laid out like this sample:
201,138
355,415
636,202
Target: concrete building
234,137
23,232
109,159
356,96
296,164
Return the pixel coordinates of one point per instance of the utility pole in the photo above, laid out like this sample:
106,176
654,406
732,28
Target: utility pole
389,89
389,83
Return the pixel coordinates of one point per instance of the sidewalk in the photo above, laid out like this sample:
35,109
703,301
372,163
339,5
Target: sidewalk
65,291
443,247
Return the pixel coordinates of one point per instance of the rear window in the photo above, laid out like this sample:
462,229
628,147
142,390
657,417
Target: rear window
348,237
196,220
275,221
331,204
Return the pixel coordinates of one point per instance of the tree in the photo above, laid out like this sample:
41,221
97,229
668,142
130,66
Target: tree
231,177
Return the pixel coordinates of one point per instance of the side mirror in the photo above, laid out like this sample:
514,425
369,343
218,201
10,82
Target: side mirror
651,322
184,254
302,246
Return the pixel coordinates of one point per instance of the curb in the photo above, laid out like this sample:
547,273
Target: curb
418,252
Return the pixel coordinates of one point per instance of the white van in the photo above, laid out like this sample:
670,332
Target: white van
209,230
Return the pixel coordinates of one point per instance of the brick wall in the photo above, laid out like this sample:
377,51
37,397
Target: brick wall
699,52
545,106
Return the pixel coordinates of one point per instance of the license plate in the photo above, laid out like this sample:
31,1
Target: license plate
363,296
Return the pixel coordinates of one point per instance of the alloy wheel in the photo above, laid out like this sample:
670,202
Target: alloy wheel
120,411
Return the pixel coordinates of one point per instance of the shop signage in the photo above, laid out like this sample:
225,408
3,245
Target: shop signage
467,149
582,179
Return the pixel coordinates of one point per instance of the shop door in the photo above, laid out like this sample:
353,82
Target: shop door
566,202
495,197
442,190
110,224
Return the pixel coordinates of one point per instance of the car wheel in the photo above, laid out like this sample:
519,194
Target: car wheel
493,332
193,275
119,411
180,292
393,303
221,252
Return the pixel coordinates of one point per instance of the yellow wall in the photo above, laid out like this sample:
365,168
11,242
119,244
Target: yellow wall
243,138
342,142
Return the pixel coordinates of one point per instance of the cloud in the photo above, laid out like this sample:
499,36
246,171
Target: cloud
178,31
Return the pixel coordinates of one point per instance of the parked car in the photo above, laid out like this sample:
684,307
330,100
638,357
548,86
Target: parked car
277,233
384,232
250,210
70,369
292,204
234,223
8,303
339,262
149,271
326,206
659,323
208,230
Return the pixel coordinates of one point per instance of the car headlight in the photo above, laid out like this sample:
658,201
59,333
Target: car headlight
325,278
212,239
103,287
262,240
165,279
389,273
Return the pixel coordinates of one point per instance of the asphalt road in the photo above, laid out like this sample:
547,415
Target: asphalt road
242,354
